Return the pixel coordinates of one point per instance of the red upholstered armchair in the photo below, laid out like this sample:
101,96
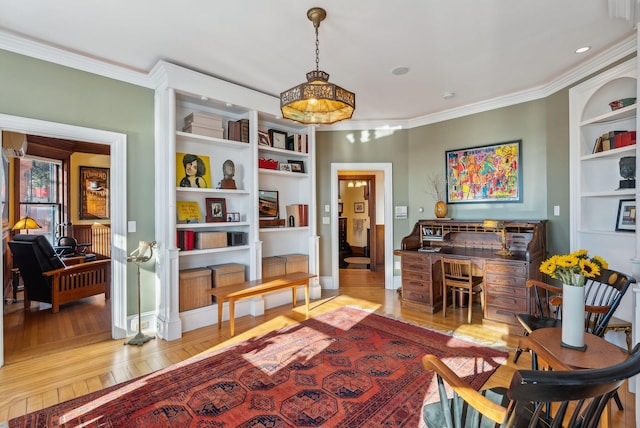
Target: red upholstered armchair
47,279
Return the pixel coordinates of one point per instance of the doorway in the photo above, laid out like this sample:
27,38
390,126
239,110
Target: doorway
357,226
118,162
384,203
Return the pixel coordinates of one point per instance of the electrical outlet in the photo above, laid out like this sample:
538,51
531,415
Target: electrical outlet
144,325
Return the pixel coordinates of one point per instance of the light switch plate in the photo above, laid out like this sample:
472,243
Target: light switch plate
131,226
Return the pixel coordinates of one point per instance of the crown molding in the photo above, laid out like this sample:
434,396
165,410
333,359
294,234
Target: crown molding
628,46
13,43
615,53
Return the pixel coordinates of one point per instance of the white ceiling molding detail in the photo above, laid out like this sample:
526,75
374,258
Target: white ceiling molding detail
13,43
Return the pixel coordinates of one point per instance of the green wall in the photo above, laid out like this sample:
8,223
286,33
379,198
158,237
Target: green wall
41,90
360,147
418,153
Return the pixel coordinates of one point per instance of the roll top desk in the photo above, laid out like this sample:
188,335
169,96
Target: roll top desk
505,292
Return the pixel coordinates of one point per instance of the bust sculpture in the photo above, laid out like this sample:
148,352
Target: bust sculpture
628,172
228,171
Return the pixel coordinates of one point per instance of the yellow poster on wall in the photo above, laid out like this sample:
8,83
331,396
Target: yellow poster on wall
193,170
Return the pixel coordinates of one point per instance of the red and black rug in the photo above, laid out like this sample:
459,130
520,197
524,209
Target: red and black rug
346,368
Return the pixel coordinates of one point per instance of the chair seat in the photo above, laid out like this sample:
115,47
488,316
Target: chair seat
531,322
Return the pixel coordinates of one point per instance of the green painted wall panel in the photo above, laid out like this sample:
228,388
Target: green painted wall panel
41,90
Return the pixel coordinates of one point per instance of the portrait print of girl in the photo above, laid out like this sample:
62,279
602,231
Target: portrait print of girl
192,170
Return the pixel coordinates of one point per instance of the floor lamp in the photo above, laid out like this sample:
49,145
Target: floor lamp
139,256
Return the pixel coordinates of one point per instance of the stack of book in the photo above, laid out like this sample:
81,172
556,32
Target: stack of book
238,130
203,124
298,143
614,140
297,215
185,239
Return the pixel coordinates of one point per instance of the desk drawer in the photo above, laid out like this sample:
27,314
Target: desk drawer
419,266
507,268
416,285
501,315
505,281
506,290
511,303
422,296
419,275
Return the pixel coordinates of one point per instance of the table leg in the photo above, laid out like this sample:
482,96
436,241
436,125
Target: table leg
306,296
220,303
232,315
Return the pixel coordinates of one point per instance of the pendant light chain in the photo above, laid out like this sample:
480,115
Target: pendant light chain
317,50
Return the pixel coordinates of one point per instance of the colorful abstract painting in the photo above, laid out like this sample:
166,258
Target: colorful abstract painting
491,173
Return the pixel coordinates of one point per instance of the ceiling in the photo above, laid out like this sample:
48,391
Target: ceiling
478,50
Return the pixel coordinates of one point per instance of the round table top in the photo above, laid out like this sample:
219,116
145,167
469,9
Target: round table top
599,352
358,260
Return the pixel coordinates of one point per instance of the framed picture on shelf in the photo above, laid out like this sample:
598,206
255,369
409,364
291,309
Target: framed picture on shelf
94,193
268,204
216,209
296,166
193,170
490,173
278,139
233,216
188,211
626,221
263,139
285,167
358,207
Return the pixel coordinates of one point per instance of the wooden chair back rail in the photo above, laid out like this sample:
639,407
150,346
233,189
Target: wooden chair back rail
577,397
79,281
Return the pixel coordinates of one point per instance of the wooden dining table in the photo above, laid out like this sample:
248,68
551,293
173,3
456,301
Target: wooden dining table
546,343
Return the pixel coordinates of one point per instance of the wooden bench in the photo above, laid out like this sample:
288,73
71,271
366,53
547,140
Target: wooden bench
258,287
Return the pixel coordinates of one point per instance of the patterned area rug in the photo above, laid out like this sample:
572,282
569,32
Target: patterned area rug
346,368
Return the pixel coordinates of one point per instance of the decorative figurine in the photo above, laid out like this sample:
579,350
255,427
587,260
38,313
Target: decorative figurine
628,172
228,171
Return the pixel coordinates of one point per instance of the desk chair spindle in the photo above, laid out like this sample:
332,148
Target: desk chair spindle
458,275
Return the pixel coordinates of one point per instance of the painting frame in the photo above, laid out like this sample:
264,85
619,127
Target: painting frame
490,173
278,139
263,139
95,185
296,166
187,177
626,218
233,217
358,207
216,210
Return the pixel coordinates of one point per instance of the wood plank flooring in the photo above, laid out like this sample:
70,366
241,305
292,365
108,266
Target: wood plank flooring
55,367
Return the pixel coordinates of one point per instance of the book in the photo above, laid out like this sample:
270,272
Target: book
185,239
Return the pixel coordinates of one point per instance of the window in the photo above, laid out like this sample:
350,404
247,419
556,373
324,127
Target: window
39,196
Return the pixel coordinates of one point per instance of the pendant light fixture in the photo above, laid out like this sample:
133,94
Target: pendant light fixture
317,101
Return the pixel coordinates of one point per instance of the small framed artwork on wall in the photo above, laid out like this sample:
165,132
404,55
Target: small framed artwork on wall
626,221
358,207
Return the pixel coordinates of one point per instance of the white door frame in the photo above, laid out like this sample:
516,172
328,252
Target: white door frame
118,199
387,169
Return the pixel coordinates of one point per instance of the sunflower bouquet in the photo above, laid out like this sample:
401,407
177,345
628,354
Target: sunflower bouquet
572,269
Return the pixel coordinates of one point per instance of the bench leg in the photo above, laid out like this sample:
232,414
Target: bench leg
293,295
306,296
232,315
220,303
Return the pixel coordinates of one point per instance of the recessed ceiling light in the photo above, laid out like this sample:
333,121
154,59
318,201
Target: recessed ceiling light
582,49
448,95
203,98
399,71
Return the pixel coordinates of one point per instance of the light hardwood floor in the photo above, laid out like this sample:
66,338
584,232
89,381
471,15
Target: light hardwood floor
43,372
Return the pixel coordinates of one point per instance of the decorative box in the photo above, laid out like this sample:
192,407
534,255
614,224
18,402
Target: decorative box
227,274
267,163
273,266
202,119
295,262
204,130
236,238
193,285
206,240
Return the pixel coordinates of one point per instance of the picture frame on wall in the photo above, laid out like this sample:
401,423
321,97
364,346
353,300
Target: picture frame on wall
358,207
626,219
484,174
216,210
94,193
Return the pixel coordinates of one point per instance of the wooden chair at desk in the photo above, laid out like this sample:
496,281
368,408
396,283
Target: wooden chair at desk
458,275
528,397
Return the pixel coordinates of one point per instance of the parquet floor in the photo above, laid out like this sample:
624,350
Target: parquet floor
44,366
